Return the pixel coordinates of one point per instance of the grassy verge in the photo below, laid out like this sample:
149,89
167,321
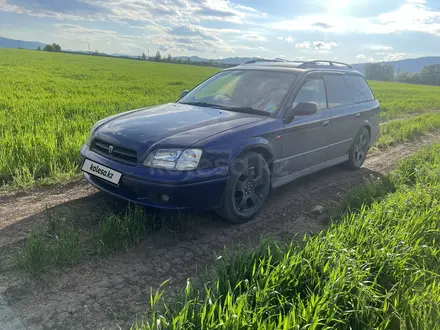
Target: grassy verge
397,99
401,130
377,267
59,242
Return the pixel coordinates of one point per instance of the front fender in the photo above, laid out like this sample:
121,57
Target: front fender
224,155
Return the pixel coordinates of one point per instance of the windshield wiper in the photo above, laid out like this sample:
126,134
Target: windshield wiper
249,110
206,104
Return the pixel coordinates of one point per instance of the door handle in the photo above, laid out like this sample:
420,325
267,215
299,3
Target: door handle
358,115
326,123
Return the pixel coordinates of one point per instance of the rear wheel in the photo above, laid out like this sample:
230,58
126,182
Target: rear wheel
247,188
359,149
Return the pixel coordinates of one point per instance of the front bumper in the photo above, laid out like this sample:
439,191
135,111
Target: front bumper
198,190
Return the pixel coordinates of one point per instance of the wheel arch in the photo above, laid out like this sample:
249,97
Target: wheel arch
261,147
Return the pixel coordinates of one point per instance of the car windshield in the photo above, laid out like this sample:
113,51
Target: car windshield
258,91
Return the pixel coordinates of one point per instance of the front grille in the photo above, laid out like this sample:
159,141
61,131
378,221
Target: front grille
120,154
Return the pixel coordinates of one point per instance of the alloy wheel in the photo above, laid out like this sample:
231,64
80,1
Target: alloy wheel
248,191
361,148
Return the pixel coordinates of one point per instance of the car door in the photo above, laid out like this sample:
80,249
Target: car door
344,115
305,137
366,108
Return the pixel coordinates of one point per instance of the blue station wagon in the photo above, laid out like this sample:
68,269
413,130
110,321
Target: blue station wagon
235,136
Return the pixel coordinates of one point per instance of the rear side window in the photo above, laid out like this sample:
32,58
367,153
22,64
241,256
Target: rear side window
337,91
359,89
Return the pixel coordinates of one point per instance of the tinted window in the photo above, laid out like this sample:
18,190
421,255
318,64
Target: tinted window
337,90
359,89
312,91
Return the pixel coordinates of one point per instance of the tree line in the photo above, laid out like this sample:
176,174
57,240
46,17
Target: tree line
159,58
430,75
52,48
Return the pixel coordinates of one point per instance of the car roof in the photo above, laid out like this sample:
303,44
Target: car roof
296,66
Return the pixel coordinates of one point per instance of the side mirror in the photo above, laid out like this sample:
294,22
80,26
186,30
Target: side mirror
305,109
184,92
302,109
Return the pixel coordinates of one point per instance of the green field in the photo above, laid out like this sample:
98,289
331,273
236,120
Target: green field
49,101
376,267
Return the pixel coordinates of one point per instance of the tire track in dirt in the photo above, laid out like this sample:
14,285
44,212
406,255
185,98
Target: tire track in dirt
110,293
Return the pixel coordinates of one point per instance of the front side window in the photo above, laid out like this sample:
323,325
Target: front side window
243,89
312,91
337,91
359,89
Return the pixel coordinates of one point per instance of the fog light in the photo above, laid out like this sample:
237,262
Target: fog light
165,198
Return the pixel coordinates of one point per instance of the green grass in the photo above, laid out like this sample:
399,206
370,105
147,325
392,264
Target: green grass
377,267
400,130
399,99
49,101
59,242
117,232
42,251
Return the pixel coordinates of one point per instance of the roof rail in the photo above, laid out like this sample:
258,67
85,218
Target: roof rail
260,60
317,62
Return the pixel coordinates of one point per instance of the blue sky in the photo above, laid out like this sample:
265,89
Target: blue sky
346,30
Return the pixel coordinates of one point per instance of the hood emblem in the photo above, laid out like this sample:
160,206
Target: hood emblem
110,150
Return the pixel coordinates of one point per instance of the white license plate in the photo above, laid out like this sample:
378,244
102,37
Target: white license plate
101,171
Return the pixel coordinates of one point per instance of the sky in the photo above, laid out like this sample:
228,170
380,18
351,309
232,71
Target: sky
353,31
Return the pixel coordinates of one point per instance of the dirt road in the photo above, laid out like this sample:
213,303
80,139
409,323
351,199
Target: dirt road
109,293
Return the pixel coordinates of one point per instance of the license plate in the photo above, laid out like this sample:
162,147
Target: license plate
101,171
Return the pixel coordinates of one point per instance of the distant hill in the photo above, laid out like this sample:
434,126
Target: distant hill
409,65
13,43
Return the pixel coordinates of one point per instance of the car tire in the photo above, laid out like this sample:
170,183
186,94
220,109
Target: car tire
359,149
247,188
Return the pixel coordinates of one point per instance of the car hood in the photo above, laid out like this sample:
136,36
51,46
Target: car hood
172,124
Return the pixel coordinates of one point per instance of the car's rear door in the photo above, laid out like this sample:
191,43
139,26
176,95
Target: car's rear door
366,108
344,116
305,141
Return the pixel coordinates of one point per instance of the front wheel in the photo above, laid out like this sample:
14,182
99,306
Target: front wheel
247,188
359,149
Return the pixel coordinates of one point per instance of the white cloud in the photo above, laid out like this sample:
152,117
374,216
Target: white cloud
396,56
413,15
324,46
364,58
159,11
305,44
317,45
185,40
289,39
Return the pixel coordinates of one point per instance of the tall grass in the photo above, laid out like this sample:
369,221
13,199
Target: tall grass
378,267
399,99
48,103
60,242
400,130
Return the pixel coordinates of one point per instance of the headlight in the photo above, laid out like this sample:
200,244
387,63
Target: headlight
174,159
